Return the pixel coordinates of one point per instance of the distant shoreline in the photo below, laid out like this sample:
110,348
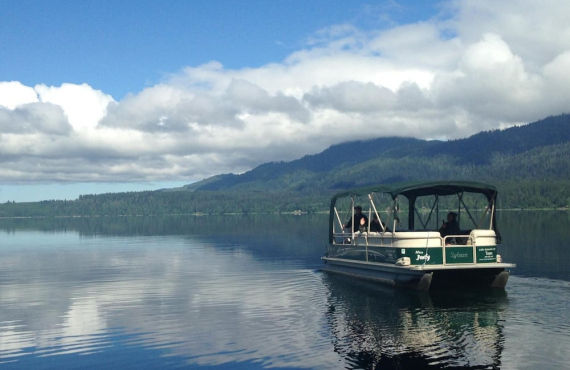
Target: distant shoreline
288,213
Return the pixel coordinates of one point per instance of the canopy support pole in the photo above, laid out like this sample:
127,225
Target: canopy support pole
377,215
482,218
436,201
492,215
352,221
395,212
412,206
468,213
419,217
338,219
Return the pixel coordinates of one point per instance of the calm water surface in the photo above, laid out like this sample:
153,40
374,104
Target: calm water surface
245,292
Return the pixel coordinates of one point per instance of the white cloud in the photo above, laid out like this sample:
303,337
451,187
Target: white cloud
34,117
536,31
481,65
491,81
83,105
14,93
352,96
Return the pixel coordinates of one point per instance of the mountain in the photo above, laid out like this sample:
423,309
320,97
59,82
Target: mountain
330,159
539,150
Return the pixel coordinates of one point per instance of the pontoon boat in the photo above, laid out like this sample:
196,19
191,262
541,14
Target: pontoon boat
416,252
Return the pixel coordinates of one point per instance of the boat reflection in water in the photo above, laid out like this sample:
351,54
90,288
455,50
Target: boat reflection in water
381,327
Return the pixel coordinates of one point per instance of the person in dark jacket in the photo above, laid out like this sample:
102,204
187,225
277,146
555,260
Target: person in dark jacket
451,227
360,221
377,225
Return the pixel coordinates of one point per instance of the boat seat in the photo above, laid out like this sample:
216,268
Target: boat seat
484,236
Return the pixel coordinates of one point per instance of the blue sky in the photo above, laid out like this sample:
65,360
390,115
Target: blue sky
121,47
100,96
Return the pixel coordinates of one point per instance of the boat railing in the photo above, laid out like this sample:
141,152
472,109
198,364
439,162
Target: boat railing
457,249
459,239
387,239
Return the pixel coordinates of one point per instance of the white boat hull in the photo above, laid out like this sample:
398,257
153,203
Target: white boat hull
422,277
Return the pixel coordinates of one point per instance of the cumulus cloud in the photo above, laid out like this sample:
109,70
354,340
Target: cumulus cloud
537,32
352,96
83,105
490,81
14,93
479,65
34,117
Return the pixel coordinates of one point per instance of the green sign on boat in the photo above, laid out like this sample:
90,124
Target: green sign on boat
458,255
486,254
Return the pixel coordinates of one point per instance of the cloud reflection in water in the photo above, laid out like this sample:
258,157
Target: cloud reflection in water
210,304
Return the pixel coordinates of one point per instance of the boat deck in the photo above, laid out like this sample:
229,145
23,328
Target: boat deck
462,266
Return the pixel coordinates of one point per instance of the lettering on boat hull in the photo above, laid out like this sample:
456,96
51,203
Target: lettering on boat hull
486,254
458,254
424,256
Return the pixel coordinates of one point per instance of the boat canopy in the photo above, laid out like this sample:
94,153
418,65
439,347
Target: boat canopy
418,189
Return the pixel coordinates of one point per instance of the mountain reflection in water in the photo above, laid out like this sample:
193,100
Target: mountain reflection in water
245,292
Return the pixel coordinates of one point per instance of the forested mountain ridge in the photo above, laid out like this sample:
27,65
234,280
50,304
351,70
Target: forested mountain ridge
481,147
529,164
337,155
540,150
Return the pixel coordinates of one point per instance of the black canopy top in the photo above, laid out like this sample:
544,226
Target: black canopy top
417,189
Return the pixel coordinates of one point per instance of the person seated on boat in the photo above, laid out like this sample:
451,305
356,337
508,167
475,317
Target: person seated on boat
377,225
360,221
451,227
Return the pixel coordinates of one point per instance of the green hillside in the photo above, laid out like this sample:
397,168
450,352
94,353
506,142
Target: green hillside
538,151
530,165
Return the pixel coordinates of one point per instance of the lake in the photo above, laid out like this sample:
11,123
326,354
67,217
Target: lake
245,292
